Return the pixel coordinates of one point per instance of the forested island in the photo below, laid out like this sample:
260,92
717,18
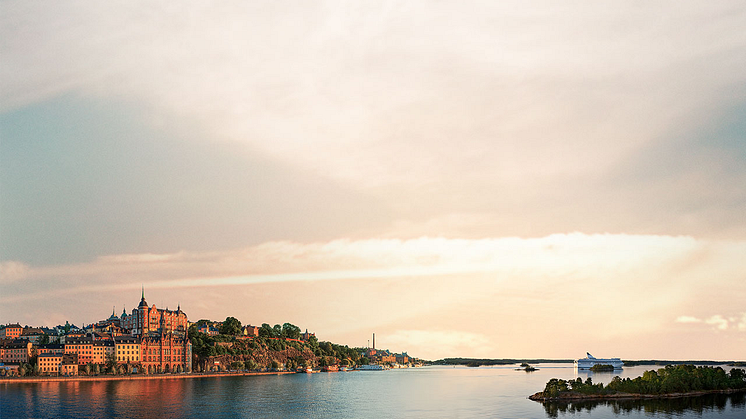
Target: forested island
671,381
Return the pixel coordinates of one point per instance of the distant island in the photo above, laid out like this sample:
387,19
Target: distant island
602,368
526,367
671,381
478,362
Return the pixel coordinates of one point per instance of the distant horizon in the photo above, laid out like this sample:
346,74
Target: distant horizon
464,179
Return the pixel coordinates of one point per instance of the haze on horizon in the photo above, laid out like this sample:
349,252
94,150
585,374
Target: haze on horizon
512,180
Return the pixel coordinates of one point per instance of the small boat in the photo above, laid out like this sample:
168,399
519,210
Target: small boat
330,368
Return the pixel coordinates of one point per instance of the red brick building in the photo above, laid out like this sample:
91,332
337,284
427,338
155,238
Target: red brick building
166,353
145,320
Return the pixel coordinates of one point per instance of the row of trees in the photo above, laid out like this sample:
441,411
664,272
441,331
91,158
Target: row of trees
111,366
671,379
286,331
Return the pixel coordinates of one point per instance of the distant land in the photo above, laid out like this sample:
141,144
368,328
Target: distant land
628,363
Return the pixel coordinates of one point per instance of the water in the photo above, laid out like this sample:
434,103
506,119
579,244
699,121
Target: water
416,392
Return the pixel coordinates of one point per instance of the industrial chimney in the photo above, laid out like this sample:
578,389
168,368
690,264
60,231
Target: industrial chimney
374,341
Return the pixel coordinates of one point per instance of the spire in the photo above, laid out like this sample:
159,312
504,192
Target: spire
143,291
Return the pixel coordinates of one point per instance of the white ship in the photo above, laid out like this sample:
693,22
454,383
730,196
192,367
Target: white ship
590,360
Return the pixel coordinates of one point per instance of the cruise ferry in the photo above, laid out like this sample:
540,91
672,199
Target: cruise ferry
590,360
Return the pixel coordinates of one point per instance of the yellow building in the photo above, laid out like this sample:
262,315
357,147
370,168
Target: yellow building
127,349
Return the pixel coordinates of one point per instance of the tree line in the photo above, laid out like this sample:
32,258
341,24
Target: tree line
671,379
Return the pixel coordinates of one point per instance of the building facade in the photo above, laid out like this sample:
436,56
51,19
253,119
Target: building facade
15,351
11,331
166,353
127,349
146,319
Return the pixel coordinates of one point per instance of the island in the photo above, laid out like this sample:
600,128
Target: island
526,367
602,368
669,382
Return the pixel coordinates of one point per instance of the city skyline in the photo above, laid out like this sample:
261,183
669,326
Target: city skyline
528,180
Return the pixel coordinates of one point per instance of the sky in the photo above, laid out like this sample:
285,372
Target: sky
517,179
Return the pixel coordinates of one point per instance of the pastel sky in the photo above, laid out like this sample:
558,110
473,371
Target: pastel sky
478,179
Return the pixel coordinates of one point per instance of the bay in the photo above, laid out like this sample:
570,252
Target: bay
437,391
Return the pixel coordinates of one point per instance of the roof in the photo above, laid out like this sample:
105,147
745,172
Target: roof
15,326
126,339
52,346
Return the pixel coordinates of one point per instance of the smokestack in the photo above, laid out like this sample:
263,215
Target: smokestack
374,341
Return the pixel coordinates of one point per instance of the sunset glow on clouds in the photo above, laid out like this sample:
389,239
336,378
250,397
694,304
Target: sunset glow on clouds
492,180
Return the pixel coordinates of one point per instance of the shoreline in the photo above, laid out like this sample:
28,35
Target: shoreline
135,377
578,397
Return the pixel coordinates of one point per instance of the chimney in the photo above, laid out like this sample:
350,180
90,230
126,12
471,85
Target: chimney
374,341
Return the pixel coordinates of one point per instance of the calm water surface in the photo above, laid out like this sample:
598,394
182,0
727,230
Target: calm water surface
416,392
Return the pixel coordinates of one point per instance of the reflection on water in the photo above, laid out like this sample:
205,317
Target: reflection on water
679,406
431,392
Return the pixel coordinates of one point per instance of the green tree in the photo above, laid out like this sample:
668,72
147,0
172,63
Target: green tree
277,331
111,363
266,331
43,340
290,331
313,343
231,326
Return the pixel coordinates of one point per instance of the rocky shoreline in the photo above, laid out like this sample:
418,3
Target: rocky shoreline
579,397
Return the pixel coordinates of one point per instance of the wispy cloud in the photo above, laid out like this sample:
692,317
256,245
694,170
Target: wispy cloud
718,321
688,319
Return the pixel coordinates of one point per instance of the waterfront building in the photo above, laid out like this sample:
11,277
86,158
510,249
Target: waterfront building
58,364
15,351
127,349
86,349
166,353
11,331
51,348
49,363
403,358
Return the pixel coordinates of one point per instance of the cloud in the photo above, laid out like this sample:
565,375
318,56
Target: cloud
742,323
556,255
422,289
501,113
688,319
11,271
718,321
